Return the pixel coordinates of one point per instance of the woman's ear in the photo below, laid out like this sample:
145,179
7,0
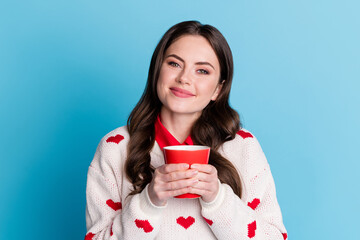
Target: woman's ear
217,90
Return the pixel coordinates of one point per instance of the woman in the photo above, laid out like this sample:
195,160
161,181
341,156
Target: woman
130,191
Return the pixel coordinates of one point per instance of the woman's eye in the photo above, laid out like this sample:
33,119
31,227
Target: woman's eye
203,71
174,64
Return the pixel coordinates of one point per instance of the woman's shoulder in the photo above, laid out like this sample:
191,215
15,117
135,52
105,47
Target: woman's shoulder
242,137
114,141
245,152
117,136
112,149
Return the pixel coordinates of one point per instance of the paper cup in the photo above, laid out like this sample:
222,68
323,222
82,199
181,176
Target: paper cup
189,154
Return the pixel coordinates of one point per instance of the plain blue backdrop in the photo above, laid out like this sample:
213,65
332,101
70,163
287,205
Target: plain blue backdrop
71,71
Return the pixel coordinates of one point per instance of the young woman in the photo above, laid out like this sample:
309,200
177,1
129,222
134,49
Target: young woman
130,190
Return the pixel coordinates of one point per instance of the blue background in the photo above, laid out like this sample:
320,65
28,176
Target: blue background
71,71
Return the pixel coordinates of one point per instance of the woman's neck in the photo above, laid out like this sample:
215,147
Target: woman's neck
179,125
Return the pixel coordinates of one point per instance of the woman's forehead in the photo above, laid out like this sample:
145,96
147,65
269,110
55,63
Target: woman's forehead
193,48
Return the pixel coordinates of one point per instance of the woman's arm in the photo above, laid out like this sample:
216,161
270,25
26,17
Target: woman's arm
108,215
257,215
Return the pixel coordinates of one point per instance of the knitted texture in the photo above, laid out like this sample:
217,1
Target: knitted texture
112,214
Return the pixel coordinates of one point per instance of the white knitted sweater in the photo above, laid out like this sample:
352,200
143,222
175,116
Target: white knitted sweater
112,214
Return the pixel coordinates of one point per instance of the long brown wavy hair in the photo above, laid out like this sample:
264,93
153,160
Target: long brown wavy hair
217,124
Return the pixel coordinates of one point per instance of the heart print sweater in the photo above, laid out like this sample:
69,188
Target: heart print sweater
111,213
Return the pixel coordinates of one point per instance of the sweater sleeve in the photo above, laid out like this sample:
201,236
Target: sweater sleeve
108,214
257,214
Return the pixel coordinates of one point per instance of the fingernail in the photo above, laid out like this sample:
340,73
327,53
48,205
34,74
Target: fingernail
185,165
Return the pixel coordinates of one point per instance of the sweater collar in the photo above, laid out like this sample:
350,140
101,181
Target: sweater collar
164,138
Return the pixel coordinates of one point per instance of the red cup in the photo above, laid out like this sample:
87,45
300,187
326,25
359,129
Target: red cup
189,154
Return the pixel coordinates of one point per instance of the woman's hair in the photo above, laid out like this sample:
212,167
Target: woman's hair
217,124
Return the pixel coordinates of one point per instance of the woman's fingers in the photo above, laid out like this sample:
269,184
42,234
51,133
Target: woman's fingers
206,172
168,168
205,168
171,180
172,189
174,177
175,172
177,192
208,185
180,184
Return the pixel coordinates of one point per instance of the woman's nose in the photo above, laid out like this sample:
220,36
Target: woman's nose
184,77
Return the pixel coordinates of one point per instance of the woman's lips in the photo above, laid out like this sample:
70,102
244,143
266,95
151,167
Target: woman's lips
182,93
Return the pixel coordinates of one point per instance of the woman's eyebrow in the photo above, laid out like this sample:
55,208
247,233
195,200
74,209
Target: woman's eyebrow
182,60
205,63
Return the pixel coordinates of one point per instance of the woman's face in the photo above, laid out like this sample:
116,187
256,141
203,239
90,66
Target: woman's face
189,76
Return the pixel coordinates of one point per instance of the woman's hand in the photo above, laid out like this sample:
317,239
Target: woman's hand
171,180
208,185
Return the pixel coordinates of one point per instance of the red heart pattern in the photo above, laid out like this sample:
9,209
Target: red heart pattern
284,236
89,236
111,232
115,139
114,205
251,229
244,134
210,222
185,222
254,203
144,224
